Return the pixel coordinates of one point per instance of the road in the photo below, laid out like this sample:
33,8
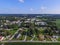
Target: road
15,34
32,38
25,38
31,41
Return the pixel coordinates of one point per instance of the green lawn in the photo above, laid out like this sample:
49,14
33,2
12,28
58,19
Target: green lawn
36,39
12,31
58,39
58,22
22,37
30,43
29,38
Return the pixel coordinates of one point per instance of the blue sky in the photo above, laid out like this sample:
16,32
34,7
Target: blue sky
29,6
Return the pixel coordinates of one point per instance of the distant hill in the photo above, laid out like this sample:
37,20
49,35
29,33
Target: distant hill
34,15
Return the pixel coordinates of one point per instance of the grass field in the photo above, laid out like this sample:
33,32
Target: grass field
30,43
58,23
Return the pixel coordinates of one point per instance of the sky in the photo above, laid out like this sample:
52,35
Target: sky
29,6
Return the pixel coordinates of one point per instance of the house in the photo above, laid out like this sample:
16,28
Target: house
26,24
1,38
41,37
7,21
55,36
28,19
40,23
17,21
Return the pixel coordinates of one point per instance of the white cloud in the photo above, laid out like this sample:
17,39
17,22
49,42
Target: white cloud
31,9
43,8
22,1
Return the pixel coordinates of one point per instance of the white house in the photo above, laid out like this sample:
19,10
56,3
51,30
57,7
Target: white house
40,23
55,36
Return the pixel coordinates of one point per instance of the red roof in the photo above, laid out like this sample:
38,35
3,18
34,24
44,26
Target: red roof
0,37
